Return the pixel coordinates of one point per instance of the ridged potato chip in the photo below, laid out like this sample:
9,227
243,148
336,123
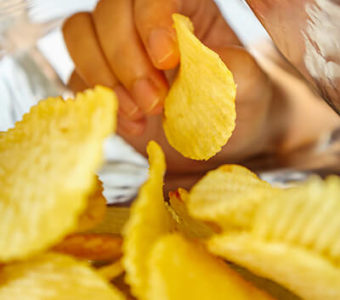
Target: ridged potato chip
199,111
54,277
187,225
228,196
293,240
149,220
92,246
180,269
95,210
47,164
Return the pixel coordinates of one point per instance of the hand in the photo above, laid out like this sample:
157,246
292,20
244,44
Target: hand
130,46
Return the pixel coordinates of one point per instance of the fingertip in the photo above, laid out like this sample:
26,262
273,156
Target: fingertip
163,49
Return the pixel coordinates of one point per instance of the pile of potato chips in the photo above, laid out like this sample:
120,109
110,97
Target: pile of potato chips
232,236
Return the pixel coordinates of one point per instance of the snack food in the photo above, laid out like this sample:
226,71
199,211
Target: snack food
149,220
228,196
293,239
52,276
199,111
180,269
47,164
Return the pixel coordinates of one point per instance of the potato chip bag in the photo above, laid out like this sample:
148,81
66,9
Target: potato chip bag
149,220
47,165
92,246
187,225
293,239
95,210
180,269
199,111
228,196
53,276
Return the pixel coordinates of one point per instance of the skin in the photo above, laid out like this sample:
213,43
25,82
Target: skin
130,46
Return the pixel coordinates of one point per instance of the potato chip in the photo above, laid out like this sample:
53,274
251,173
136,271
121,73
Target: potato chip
114,220
199,111
187,225
293,240
111,271
180,269
228,196
95,210
149,219
92,246
54,276
47,164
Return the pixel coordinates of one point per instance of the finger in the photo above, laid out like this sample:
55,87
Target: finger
126,56
131,128
83,47
154,24
75,83
90,63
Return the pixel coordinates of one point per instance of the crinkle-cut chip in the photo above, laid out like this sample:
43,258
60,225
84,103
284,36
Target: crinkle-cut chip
95,210
112,270
47,164
53,276
187,225
228,196
199,111
180,269
293,239
114,220
149,220
305,273
306,216
92,246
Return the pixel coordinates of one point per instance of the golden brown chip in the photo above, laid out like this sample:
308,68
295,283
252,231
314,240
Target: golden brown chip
228,196
114,220
199,111
54,276
149,219
92,246
47,164
187,225
111,271
95,210
180,269
293,239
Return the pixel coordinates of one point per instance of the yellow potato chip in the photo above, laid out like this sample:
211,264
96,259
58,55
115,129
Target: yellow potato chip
114,220
111,271
228,196
95,210
92,246
199,111
187,225
293,240
47,164
149,219
180,269
54,276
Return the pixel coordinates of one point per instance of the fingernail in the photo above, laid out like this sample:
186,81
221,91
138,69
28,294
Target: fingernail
162,48
126,105
146,95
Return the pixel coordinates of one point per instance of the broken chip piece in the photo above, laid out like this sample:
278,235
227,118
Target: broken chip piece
47,164
199,111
